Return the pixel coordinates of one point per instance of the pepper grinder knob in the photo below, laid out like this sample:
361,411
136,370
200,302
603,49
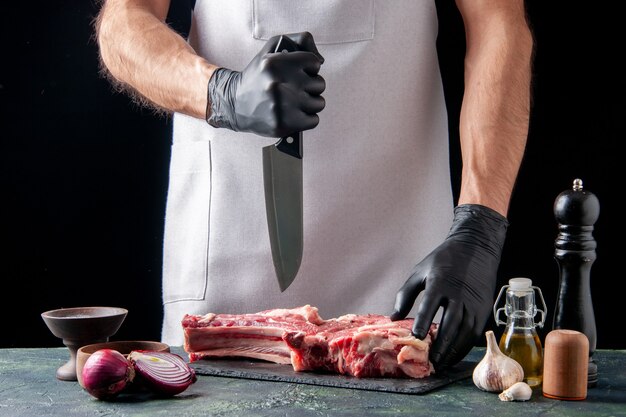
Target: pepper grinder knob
577,207
576,211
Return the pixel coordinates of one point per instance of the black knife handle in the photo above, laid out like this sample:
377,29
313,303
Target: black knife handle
292,144
285,44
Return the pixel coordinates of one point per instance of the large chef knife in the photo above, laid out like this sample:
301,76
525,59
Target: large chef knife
282,177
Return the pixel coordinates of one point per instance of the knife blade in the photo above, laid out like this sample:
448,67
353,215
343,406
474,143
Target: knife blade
282,179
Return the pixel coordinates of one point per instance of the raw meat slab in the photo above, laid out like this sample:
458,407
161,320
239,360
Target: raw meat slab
268,371
364,346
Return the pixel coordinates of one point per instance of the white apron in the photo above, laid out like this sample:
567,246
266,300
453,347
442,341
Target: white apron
377,192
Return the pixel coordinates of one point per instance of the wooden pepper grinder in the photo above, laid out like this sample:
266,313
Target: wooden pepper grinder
576,212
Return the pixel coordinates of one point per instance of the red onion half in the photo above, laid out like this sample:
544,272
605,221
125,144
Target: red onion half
164,373
106,373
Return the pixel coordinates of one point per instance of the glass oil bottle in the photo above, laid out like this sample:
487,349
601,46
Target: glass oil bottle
520,340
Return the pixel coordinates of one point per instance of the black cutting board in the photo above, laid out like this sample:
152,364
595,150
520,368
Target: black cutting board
268,371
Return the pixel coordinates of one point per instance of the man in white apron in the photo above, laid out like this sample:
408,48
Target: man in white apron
378,207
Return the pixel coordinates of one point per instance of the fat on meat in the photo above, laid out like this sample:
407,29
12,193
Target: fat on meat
358,345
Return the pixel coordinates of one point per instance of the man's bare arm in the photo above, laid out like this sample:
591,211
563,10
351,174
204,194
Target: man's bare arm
496,103
149,60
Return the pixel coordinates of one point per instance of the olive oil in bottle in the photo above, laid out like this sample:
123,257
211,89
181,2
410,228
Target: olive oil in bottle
525,347
520,340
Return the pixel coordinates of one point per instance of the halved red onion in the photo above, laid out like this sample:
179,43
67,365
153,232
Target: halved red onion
164,373
106,373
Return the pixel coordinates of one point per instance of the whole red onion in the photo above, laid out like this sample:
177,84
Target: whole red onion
106,373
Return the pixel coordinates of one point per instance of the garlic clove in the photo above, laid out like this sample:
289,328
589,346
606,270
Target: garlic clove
520,391
496,372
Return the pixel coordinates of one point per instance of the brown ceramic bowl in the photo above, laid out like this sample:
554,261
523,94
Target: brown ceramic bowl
85,323
80,326
124,347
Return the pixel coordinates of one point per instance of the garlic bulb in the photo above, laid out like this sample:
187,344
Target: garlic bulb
496,371
520,391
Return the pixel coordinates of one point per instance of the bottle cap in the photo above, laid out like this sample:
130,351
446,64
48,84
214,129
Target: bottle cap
520,283
566,359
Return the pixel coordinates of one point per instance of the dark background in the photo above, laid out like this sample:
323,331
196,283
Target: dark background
84,170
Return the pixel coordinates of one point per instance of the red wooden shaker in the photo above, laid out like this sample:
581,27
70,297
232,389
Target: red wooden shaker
566,360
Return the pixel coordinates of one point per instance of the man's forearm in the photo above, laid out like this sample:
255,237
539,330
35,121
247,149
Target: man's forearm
142,54
496,104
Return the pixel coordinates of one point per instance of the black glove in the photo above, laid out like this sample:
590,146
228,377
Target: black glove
277,94
460,276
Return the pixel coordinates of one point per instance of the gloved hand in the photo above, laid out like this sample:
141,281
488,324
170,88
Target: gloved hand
277,93
460,276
